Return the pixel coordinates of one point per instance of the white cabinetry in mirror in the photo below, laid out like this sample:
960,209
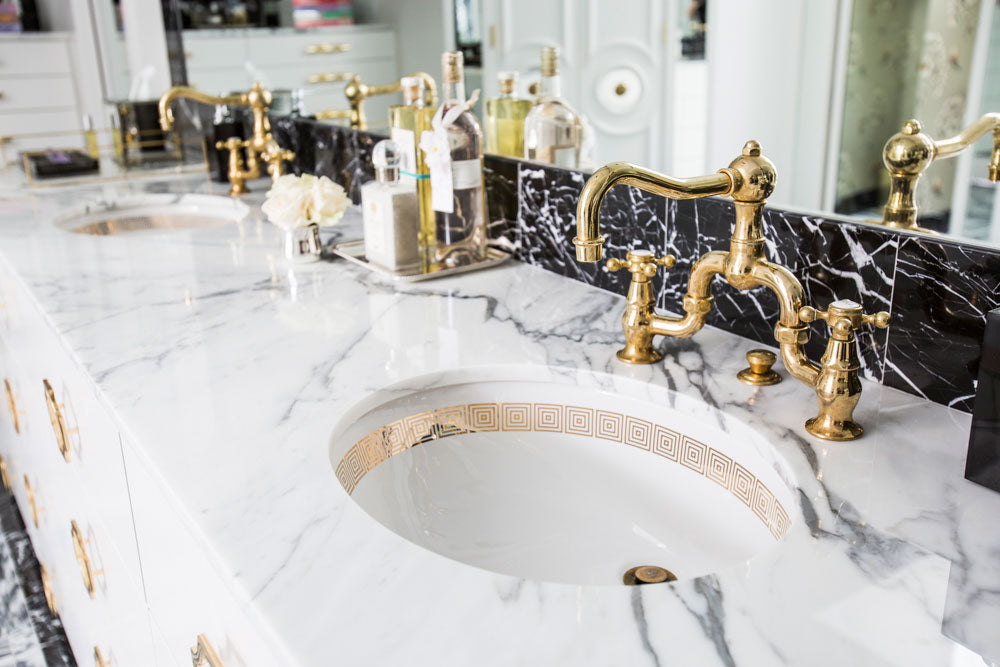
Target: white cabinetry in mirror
615,66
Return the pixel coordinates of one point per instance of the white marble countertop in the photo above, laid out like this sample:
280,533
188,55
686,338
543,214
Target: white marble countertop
895,561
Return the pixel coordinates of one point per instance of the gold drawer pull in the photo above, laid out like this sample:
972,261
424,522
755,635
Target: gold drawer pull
50,595
99,659
4,476
15,414
326,48
328,77
33,503
58,421
203,653
87,570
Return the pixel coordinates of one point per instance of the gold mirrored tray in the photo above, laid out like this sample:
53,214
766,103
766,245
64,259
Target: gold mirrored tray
354,252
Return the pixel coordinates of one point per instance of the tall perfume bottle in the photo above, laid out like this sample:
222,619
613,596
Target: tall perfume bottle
454,153
389,209
505,118
407,123
552,129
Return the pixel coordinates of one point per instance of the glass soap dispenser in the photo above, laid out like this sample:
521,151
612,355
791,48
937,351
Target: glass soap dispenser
552,129
391,215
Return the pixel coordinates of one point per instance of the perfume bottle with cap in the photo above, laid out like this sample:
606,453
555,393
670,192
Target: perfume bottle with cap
389,208
407,123
552,131
454,154
505,118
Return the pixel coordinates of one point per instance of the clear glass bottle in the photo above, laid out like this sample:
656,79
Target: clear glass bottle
407,123
90,137
505,118
389,209
298,104
552,129
460,220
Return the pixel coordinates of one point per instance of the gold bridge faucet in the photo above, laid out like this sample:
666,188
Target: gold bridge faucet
260,147
749,180
908,153
357,92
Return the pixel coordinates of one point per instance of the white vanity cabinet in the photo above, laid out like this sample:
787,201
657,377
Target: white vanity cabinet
223,61
72,492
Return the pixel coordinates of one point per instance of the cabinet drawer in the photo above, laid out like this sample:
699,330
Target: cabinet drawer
23,57
26,94
220,81
214,52
187,592
54,129
324,48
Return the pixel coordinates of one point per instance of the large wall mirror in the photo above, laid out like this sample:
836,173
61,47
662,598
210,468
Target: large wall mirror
674,85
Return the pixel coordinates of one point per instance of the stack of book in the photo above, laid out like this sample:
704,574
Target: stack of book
10,19
320,13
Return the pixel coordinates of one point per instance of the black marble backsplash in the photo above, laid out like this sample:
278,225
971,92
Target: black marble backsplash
937,290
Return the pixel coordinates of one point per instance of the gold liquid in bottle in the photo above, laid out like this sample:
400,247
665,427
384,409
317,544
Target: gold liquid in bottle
90,137
406,122
505,119
552,130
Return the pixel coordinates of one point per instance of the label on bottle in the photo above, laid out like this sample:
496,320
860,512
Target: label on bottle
466,174
373,212
405,140
564,157
437,156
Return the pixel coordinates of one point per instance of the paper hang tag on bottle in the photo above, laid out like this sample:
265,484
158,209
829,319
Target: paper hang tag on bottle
437,155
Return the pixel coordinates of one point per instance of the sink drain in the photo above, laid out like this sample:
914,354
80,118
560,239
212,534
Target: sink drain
647,574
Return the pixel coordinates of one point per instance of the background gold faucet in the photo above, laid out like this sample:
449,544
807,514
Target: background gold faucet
260,147
749,180
357,92
908,153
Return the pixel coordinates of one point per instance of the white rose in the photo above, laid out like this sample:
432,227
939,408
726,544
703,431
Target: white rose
288,203
329,201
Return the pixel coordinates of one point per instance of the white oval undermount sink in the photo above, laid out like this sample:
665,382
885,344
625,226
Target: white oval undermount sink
153,212
559,482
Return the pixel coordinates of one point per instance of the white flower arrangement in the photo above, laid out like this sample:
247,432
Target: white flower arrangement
299,201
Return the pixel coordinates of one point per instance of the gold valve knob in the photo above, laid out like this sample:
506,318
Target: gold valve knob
203,653
87,570
760,372
843,317
50,594
641,263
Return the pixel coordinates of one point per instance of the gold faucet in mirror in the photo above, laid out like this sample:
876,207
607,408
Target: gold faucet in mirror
749,180
260,147
357,92
908,153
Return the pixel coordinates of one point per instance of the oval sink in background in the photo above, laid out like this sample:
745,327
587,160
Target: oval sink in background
563,483
153,212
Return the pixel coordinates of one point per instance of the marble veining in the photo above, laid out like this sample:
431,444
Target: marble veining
834,259
898,565
943,291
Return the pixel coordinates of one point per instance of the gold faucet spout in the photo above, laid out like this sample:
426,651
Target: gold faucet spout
167,113
357,92
589,242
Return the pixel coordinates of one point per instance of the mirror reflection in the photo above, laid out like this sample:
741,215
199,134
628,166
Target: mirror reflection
671,85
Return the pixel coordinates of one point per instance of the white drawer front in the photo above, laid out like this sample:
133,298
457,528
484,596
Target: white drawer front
325,48
220,81
186,593
214,52
26,94
23,57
